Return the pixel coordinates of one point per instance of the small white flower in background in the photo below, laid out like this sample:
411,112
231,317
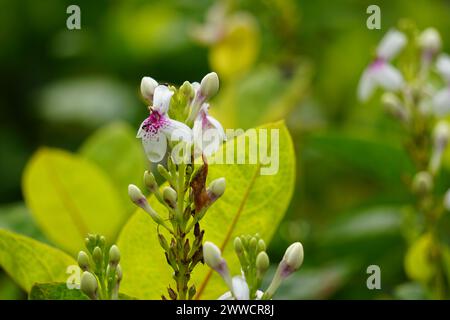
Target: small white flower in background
158,127
208,132
441,100
380,73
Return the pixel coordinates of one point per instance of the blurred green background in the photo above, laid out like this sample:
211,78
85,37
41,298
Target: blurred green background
294,59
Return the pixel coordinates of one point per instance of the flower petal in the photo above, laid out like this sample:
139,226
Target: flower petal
391,44
176,131
141,132
441,102
443,66
161,98
240,288
366,85
388,77
155,146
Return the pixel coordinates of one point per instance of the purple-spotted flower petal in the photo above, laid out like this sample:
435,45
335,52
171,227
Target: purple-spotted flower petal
158,127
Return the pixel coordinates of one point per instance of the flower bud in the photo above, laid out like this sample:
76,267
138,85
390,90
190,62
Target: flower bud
187,90
119,274
252,244
261,245
217,188
294,256
114,255
430,40
212,255
170,196
209,86
394,106
83,260
422,182
139,199
262,262
89,285
148,86
447,200
150,181
97,255
238,247
441,135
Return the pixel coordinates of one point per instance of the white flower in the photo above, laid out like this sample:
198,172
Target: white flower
380,73
443,66
208,132
441,100
158,127
240,290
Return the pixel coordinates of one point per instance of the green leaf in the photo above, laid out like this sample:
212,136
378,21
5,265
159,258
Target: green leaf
418,264
380,159
115,149
69,197
55,291
251,203
28,261
60,291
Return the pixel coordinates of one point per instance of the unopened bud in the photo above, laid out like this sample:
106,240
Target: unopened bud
422,182
252,245
119,274
114,255
261,245
430,40
238,247
148,86
170,196
212,255
139,199
150,181
441,135
262,262
83,260
187,90
209,86
394,106
217,188
97,255
89,285
293,256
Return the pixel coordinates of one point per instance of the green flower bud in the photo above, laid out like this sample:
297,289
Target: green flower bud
89,285
394,106
252,244
170,196
422,182
261,245
150,181
97,255
186,90
209,86
114,255
217,188
262,262
102,241
238,247
119,274
83,260
148,86
293,256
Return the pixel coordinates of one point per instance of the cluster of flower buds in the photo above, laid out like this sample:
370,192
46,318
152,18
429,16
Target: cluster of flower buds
254,263
102,273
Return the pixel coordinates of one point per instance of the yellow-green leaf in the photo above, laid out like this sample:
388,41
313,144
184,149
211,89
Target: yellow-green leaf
116,150
418,264
69,197
28,261
252,203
